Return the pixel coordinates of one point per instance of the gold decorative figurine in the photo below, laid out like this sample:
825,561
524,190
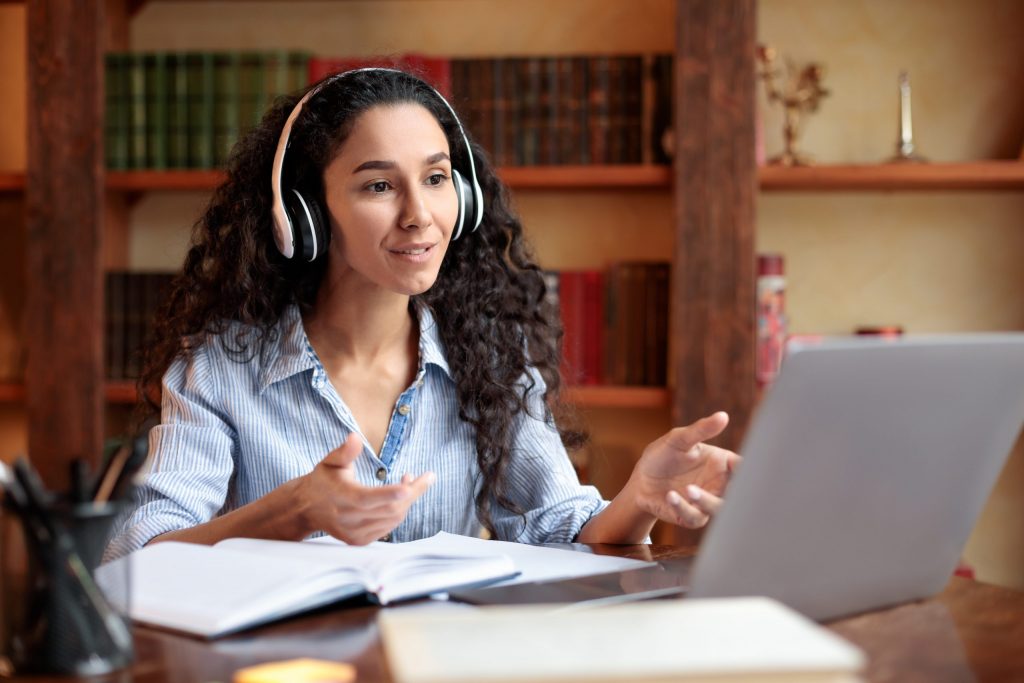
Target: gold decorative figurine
803,91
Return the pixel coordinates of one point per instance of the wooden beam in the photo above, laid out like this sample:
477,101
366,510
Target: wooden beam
715,185
64,214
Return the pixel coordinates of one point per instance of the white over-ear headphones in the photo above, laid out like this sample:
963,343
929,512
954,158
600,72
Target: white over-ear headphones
301,219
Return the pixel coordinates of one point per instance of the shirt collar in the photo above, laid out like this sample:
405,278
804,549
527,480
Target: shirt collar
431,346
293,353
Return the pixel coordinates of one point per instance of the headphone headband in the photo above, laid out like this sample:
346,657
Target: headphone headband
284,230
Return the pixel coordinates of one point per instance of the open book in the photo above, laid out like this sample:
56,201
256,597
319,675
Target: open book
241,582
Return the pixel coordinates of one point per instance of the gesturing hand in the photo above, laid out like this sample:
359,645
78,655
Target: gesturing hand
679,478
330,499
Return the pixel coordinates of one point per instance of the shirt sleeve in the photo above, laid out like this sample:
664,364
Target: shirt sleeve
543,483
191,459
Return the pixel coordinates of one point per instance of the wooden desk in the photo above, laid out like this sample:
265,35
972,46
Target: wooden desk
971,631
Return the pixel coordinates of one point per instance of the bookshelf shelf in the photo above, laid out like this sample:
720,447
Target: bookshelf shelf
12,392
582,396
12,182
123,392
523,177
972,175
115,392
617,397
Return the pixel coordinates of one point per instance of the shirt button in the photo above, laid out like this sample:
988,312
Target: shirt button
419,385
382,473
404,409
386,538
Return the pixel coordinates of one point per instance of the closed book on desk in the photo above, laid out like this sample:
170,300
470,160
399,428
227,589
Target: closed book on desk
713,641
210,591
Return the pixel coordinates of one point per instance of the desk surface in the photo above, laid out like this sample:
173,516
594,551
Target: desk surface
971,631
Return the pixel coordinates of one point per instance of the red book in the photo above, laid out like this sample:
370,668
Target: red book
570,299
593,325
434,70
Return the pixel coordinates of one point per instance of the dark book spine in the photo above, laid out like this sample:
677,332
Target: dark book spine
177,110
252,90
633,109
200,109
116,121
155,65
547,111
599,120
225,105
530,115
137,111
663,110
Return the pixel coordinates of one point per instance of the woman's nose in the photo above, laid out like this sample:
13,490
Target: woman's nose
415,214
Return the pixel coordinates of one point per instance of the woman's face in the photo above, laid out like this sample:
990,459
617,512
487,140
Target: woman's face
391,201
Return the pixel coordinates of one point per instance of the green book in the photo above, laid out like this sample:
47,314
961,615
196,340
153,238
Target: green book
177,110
252,90
115,131
298,71
200,109
137,148
155,65
225,105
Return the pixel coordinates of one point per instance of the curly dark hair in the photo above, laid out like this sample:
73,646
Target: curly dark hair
489,299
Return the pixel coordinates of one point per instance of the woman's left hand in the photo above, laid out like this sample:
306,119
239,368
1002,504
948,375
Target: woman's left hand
680,479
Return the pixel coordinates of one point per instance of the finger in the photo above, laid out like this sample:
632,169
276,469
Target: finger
344,455
418,486
706,502
682,513
685,438
406,478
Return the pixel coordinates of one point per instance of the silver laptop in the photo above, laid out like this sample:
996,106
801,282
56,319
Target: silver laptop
864,471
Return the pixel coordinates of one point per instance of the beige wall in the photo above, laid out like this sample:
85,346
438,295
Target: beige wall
929,261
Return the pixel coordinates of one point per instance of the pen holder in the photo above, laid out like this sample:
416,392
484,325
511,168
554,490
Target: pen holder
53,616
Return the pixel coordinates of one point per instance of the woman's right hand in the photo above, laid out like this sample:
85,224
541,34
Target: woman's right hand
329,498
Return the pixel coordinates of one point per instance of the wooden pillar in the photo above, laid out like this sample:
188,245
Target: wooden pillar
715,184
64,217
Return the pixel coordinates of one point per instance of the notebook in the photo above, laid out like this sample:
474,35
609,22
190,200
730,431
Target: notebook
865,469
713,641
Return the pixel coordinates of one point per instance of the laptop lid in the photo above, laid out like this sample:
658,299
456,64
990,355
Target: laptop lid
864,471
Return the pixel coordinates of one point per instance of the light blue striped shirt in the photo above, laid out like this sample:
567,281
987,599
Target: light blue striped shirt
231,432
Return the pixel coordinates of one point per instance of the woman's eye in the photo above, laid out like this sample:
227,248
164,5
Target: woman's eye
379,187
437,179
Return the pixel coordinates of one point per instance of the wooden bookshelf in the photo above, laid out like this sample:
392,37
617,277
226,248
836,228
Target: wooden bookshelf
972,175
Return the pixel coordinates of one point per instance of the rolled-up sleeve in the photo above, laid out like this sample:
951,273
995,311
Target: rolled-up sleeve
192,458
542,481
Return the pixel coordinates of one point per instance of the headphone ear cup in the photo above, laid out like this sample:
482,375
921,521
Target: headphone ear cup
307,225
467,202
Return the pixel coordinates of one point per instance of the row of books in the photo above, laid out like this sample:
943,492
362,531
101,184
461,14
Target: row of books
567,110
131,301
176,110
616,323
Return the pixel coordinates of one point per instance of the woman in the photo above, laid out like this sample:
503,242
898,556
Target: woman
399,385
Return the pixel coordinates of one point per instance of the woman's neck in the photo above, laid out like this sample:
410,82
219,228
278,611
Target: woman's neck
360,325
